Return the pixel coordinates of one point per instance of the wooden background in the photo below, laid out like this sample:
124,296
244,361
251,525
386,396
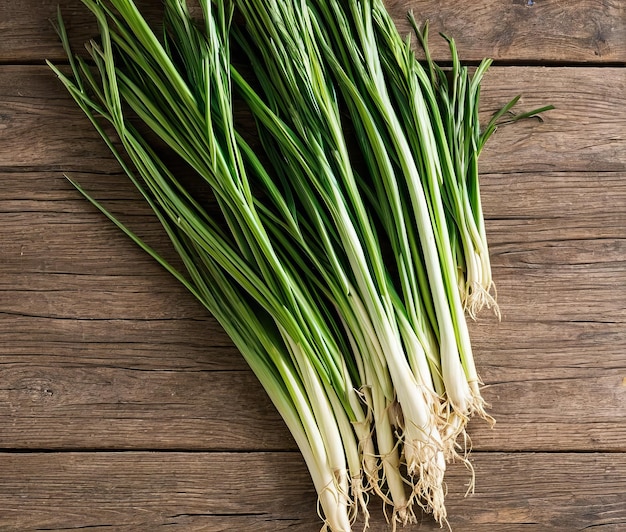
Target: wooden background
124,407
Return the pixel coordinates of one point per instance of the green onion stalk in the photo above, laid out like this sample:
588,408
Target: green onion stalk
453,98
137,71
354,60
296,71
441,117
424,183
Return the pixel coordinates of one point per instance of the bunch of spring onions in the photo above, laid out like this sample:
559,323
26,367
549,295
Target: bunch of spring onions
345,243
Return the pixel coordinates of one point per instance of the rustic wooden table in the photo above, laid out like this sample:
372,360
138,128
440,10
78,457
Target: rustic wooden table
124,407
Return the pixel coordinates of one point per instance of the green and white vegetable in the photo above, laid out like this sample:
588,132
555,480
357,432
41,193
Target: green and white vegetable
345,242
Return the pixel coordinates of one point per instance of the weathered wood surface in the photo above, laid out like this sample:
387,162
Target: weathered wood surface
584,133
268,492
587,31
120,397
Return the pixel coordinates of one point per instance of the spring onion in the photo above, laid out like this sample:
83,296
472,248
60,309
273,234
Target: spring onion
344,244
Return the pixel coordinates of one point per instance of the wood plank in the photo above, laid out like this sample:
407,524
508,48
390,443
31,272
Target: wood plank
30,35
146,491
270,492
524,282
151,344
521,30
584,133
68,405
47,402
35,107
587,195
40,126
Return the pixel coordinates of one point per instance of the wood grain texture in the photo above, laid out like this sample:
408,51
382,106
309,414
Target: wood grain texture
584,133
270,492
523,30
589,31
124,406
35,107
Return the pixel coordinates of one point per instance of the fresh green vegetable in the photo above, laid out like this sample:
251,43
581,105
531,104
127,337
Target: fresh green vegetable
341,250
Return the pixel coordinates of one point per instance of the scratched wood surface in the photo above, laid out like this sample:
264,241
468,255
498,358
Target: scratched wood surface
123,406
